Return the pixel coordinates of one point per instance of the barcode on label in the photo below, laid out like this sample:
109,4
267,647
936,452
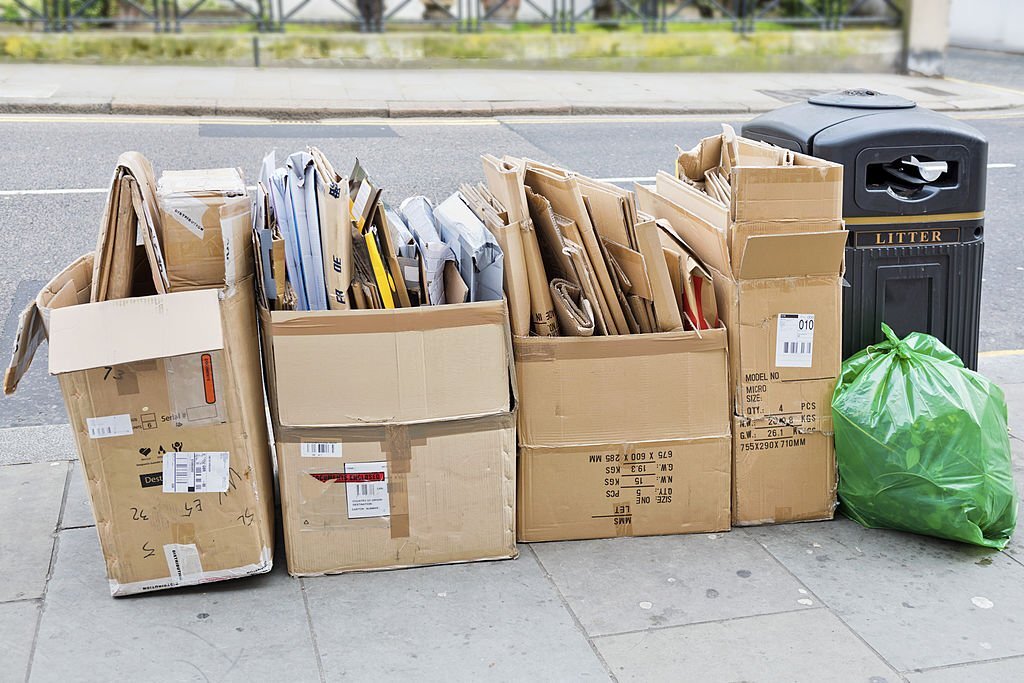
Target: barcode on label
196,472
319,449
794,345
369,498
106,427
183,480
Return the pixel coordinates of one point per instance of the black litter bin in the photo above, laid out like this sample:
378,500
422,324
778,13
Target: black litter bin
913,201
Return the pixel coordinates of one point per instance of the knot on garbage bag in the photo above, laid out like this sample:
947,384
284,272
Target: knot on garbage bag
901,347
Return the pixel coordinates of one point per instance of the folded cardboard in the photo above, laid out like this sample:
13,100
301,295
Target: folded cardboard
199,243
395,435
775,252
625,435
164,398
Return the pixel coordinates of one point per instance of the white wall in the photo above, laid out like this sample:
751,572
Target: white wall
987,24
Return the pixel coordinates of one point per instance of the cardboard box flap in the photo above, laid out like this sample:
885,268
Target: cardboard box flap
348,368
787,193
211,181
129,330
70,287
793,255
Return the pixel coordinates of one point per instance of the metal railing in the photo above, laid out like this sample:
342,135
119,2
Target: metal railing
561,16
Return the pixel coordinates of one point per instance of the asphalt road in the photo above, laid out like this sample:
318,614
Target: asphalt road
44,231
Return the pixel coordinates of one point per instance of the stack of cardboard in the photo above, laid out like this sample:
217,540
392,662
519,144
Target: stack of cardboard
767,222
327,242
164,397
392,410
623,415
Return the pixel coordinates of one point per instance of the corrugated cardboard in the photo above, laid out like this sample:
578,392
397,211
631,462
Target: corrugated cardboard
414,405
144,377
786,473
775,250
624,489
401,365
193,233
450,492
623,436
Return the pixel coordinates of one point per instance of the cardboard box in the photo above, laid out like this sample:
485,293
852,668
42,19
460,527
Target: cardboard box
776,256
623,436
164,397
205,229
395,435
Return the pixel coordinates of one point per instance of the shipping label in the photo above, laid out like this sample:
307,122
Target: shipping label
368,496
794,340
183,562
109,426
196,472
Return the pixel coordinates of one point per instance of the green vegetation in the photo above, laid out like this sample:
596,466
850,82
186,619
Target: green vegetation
704,50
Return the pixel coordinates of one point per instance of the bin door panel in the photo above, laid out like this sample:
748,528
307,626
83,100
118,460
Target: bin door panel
911,297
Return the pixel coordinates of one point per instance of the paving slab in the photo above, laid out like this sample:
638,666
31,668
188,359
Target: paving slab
628,584
252,629
1003,369
487,620
77,509
30,502
1001,671
1015,407
811,645
42,443
920,602
17,629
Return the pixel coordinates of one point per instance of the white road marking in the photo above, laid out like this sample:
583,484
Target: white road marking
70,190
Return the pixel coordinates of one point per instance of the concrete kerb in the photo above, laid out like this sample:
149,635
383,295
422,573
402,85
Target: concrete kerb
402,109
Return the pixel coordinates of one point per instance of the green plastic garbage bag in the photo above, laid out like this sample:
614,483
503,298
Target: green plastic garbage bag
922,444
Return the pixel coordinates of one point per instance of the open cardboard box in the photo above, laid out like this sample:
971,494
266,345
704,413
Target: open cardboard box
776,256
164,398
395,435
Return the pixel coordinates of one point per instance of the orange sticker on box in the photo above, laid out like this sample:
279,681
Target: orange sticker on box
209,389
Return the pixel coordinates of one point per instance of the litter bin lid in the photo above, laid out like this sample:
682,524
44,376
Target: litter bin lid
862,99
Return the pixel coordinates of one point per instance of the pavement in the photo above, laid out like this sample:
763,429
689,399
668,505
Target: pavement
825,601
304,93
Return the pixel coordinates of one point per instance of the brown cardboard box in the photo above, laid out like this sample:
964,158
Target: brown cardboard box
167,383
395,436
776,257
626,435
204,227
